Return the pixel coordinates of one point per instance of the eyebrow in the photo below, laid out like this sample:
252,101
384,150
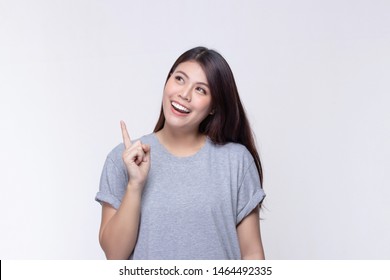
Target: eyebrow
184,74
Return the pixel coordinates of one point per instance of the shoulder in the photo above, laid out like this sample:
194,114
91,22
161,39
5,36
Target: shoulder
231,148
235,152
116,152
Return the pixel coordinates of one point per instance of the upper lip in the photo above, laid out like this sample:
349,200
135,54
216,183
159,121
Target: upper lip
174,101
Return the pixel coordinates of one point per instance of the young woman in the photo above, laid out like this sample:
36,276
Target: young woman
192,188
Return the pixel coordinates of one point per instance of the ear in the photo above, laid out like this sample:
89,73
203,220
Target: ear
212,112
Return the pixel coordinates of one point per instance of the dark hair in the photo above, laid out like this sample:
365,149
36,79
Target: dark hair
228,123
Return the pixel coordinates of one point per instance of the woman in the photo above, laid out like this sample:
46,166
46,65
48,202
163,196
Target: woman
191,189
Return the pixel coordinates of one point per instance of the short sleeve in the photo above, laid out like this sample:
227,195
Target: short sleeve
250,193
113,183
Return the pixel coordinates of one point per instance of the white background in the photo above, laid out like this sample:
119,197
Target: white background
313,76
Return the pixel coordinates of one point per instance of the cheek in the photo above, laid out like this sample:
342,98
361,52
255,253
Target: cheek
166,102
207,104
168,91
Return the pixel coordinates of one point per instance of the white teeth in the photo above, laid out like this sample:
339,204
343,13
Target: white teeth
180,107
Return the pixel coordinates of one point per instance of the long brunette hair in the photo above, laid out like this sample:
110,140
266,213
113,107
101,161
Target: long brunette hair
228,123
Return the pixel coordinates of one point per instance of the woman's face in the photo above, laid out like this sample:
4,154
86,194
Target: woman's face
187,97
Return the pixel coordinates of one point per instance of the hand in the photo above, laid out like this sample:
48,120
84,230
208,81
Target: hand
136,157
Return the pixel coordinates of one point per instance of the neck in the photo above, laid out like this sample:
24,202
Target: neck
181,143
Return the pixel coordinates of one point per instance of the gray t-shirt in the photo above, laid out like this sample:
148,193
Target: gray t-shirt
190,205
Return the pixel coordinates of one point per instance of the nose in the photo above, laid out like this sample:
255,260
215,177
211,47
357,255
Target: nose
186,94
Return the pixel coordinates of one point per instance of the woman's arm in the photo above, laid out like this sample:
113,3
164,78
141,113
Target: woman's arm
249,237
119,228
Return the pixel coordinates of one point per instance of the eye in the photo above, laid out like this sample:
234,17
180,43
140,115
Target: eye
179,79
201,90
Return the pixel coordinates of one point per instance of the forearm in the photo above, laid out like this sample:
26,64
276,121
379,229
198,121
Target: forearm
119,236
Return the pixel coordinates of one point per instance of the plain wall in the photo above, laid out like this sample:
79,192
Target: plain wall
313,77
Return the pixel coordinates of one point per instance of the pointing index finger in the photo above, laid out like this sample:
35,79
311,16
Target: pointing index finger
125,135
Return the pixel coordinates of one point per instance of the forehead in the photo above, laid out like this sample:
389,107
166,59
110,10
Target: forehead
193,70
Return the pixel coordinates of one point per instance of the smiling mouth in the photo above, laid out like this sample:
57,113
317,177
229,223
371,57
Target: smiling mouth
180,108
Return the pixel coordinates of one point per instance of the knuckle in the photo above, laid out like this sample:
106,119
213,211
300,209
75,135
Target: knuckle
137,143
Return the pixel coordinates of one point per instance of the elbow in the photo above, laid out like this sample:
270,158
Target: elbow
254,256
113,254
112,251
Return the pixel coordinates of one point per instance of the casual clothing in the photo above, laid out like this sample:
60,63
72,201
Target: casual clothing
190,205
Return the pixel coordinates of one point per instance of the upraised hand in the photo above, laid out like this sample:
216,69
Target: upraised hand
136,157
